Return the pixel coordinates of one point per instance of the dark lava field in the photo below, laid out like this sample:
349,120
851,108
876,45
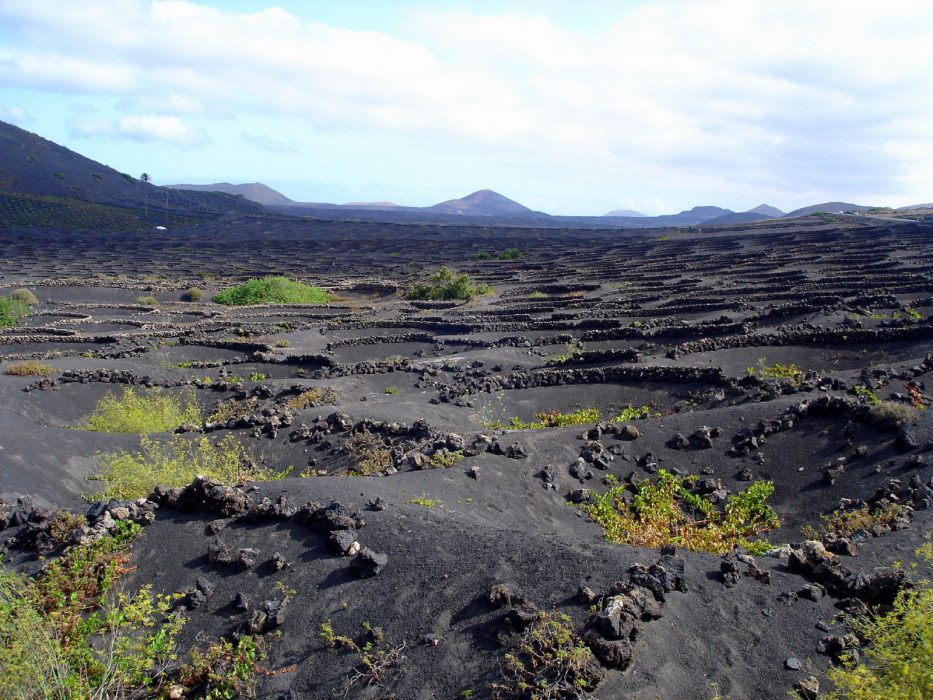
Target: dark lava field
730,356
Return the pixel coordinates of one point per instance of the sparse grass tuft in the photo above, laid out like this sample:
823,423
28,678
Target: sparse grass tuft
126,475
147,301
30,368
391,390
425,501
373,457
446,285
845,523
192,294
891,413
445,460
777,371
144,412
666,512
272,290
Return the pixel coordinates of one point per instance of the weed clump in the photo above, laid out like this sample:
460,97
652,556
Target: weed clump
550,419
30,368
225,668
312,397
373,457
11,311
144,412
667,512
447,285
845,523
193,294
25,296
777,371
126,475
891,413
272,290
147,301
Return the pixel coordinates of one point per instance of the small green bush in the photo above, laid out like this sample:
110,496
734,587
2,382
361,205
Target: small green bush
193,294
272,290
126,475
25,296
447,285
667,512
898,659
391,390
550,419
30,368
548,661
147,301
11,311
483,256
891,413
510,254
225,668
144,412
257,377
70,633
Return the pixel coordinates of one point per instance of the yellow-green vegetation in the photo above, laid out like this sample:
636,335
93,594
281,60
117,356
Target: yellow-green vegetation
898,659
30,368
630,412
510,254
446,285
777,371
145,411
549,661
147,301
371,453
485,255
666,512
425,501
192,294
444,460
11,311
391,390
126,475
556,419
863,392
233,408
537,296
844,523
257,377
572,351
312,397
225,669
25,296
272,290
72,633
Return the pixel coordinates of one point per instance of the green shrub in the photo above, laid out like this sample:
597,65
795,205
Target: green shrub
898,659
225,669
30,368
845,523
318,396
391,390
11,311
272,290
666,512
483,256
425,502
71,633
447,285
126,475
891,413
25,296
192,294
537,296
549,660
373,457
510,254
148,411
257,377
863,392
147,301
632,413
777,371
445,459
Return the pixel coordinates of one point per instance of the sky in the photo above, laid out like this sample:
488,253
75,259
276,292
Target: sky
567,106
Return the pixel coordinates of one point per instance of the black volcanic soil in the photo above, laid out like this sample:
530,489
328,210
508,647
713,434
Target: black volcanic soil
671,320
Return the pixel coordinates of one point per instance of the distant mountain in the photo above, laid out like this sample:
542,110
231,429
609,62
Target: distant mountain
35,167
830,207
371,205
483,203
254,192
624,212
767,210
743,217
918,206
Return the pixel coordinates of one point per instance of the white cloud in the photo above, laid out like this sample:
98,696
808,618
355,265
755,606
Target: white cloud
270,143
794,99
15,114
146,127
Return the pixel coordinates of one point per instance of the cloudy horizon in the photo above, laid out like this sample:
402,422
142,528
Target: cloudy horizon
568,108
